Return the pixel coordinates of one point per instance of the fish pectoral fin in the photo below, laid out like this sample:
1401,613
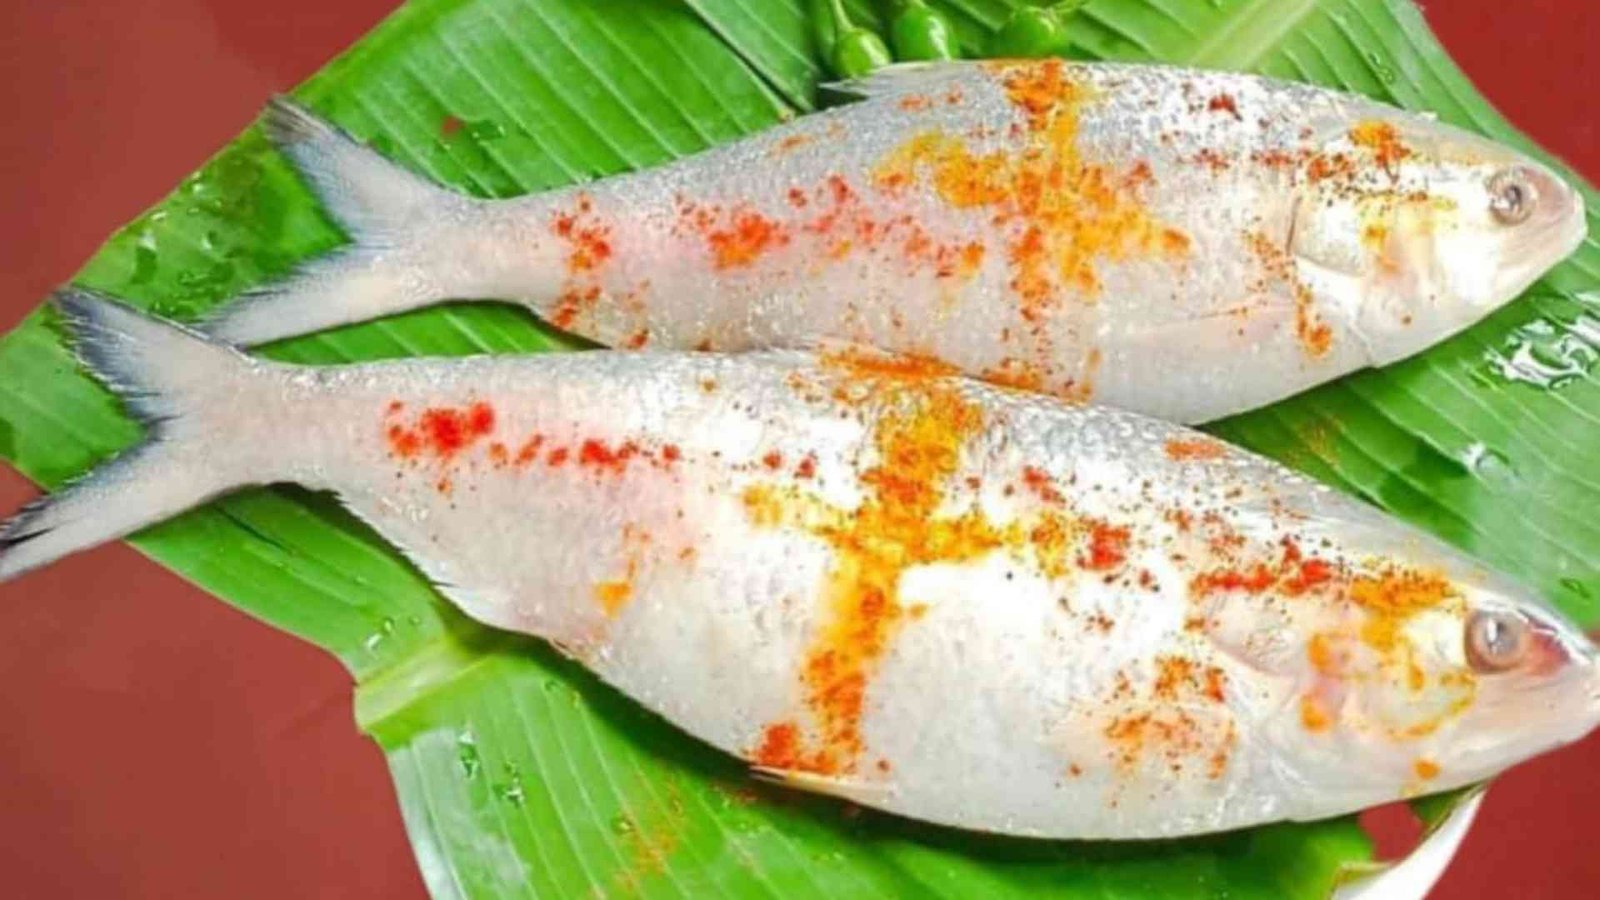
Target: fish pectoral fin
857,790
1251,323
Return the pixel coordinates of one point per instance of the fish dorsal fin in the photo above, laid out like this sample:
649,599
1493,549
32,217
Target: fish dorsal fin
898,79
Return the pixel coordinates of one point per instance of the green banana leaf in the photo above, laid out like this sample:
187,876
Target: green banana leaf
518,773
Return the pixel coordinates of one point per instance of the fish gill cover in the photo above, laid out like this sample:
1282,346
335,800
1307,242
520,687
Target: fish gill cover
521,775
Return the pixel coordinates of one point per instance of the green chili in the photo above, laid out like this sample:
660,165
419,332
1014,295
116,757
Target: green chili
919,32
1034,31
856,51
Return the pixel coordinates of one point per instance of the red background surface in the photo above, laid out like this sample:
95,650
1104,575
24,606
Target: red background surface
154,742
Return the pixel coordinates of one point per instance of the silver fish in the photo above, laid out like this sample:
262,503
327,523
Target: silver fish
872,578
1180,243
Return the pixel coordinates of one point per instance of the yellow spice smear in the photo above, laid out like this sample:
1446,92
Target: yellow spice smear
1389,598
1064,213
897,526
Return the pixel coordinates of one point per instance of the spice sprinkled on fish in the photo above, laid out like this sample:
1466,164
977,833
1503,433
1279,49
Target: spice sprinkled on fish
1181,243
871,577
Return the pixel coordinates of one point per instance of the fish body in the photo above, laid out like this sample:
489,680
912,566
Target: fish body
872,578
1180,243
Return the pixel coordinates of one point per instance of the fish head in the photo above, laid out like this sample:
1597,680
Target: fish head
1534,682
1426,228
1409,681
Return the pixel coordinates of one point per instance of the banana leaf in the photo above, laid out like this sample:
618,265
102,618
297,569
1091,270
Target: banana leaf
520,775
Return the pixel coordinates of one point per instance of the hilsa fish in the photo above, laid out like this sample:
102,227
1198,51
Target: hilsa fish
1181,243
873,578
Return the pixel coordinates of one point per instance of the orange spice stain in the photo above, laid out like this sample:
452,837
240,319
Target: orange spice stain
1051,538
779,748
1171,736
871,368
1224,103
1214,161
1392,597
1184,725
1108,547
1063,214
613,595
573,302
1314,716
1425,769
1292,573
807,467
1180,679
1195,450
649,847
499,456
834,222
1042,485
791,143
440,432
1018,375
1330,167
1326,659
1315,336
1382,140
1375,237
589,242
1033,378
919,439
1310,575
744,238
595,454
773,460
1171,673
529,451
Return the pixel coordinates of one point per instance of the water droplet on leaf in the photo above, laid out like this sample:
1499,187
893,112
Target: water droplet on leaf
1546,354
511,790
467,754
1487,464
485,130
385,629
1381,68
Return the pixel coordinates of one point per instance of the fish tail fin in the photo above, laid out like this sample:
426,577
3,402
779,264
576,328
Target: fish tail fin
412,239
185,389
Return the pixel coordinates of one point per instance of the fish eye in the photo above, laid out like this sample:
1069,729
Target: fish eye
1512,196
1496,641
